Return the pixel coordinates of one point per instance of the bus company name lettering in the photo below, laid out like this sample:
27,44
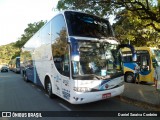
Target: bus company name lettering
66,94
57,78
66,83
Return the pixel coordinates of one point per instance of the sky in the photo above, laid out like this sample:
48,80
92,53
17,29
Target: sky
15,15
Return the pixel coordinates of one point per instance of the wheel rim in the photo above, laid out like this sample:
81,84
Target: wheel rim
129,78
49,88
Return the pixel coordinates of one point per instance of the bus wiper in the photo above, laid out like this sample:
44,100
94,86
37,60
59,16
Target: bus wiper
96,76
108,38
101,77
91,76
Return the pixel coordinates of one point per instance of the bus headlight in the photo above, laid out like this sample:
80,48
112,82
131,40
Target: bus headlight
82,89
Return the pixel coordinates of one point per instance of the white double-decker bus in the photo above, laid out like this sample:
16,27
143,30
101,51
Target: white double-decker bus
77,58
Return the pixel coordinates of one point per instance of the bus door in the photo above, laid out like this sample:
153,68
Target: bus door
145,67
62,76
66,82
57,75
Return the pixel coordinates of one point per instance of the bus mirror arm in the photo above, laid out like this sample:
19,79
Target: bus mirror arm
134,55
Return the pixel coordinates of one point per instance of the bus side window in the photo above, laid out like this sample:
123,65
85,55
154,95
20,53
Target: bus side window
60,48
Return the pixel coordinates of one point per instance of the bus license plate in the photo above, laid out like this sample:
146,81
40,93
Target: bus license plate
107,95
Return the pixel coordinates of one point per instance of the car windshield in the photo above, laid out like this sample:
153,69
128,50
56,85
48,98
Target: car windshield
98,60
84,25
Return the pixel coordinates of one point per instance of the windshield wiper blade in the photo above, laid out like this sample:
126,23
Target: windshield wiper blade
101,77
108,38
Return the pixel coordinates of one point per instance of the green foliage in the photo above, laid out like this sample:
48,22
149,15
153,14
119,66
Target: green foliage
29,32
10,51
7,52
88,6
130,28
137,21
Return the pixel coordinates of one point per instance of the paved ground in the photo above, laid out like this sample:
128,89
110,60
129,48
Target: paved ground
144,95
17,95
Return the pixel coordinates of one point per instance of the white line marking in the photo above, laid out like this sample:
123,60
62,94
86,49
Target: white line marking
65,107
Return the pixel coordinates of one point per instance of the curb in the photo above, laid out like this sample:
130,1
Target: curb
142,104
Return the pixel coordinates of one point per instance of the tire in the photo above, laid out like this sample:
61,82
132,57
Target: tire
25,77
129,78
48,88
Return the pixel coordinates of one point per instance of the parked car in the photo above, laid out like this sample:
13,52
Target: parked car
4,69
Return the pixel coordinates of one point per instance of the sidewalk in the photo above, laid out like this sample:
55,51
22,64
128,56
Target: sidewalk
142,93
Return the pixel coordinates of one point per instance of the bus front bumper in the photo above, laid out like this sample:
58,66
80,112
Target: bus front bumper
81,98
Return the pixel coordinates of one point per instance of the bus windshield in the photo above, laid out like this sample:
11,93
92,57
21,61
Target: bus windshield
85,25
97,60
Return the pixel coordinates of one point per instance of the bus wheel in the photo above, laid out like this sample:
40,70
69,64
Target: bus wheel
25,77
129,78
48,88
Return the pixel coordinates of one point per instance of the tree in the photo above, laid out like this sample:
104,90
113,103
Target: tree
7,52
89,6
131,28
145,9
12,50
136,20
29,32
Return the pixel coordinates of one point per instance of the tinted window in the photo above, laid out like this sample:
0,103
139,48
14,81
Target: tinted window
127,57
84,25
143,58
45,34
58,28
60,48
26,59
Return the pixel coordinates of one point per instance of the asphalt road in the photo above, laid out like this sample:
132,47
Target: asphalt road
17,95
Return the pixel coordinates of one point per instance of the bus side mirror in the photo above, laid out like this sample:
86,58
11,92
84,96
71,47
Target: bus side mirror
134,57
